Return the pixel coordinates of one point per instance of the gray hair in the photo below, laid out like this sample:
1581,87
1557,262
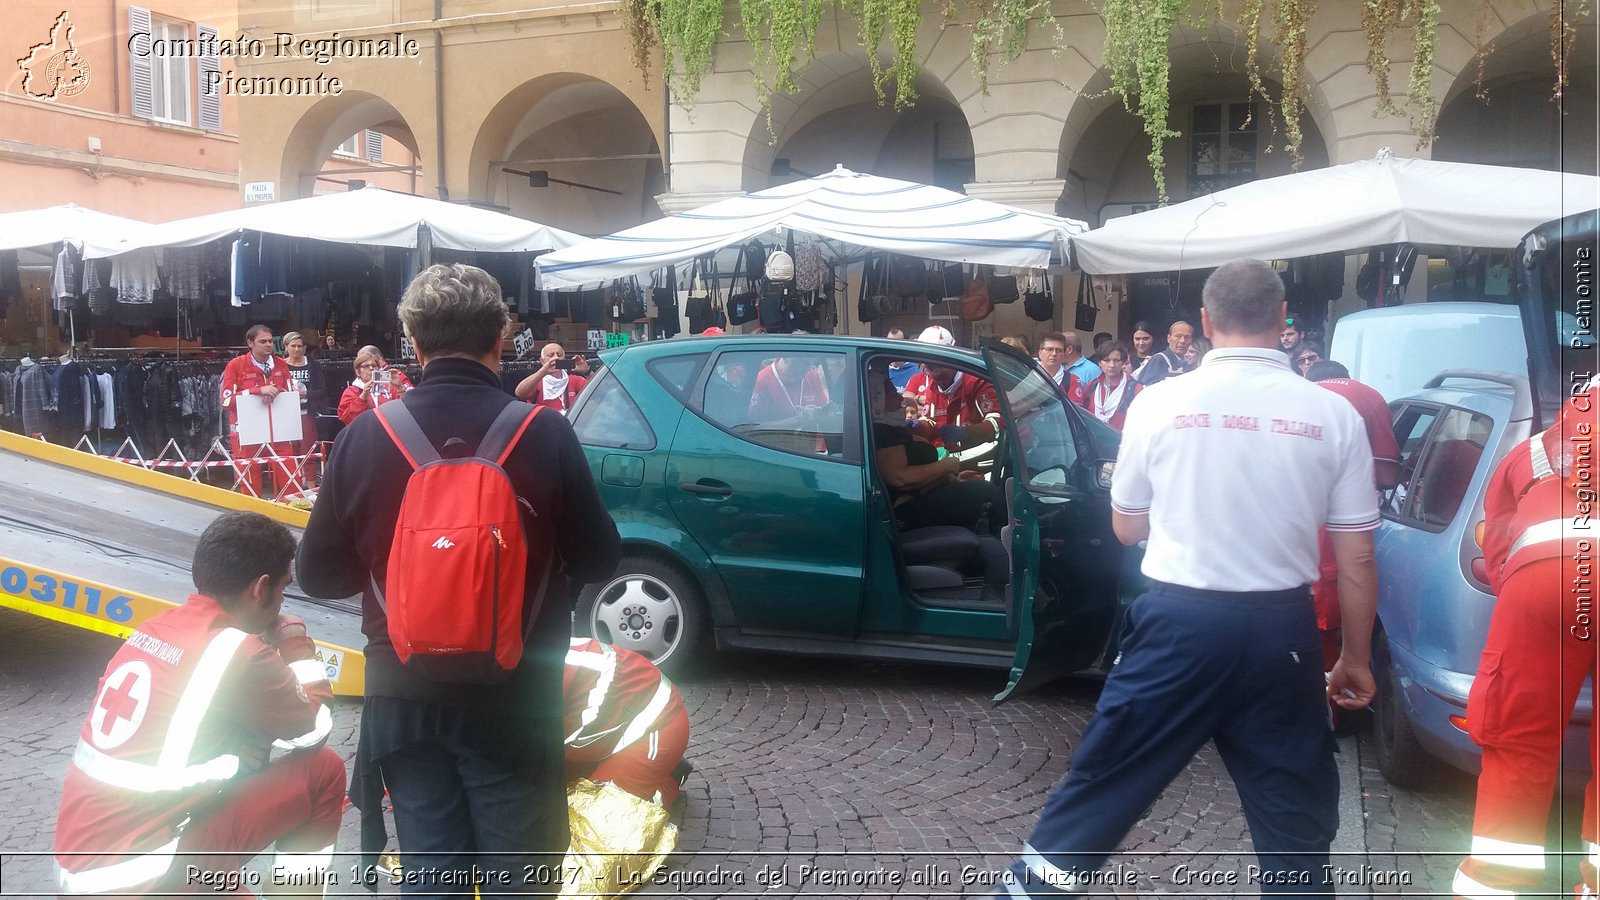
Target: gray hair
1244,297
454,310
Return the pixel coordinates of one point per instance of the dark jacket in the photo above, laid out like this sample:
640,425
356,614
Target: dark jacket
346,543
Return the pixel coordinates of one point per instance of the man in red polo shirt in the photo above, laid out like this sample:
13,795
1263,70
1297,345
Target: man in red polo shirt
257,374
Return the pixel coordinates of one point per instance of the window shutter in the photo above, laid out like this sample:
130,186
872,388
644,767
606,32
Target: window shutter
210,90
141,68
374,146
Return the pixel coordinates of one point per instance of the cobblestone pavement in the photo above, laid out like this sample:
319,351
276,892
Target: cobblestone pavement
863,779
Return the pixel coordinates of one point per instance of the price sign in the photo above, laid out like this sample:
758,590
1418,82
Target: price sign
523,342
407,351
616,339
597,340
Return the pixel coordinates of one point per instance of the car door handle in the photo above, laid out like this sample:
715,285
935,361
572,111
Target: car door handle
714,489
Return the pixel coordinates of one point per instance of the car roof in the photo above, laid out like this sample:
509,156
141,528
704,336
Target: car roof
818,342
1496,400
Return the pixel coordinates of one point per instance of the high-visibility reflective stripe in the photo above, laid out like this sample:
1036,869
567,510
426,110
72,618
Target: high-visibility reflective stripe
1511,854
119,876
654,744
645,721
318,733
1470,888
197,695
148,779
605,663
1540,459
303,863
1538,533
1047,872
308,671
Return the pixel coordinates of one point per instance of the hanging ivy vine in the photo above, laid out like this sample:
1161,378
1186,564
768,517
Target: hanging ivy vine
1138,35
778,31
688,30
1291,38
1137,32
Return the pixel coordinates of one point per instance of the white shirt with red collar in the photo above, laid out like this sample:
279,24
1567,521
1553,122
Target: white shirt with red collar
1237,464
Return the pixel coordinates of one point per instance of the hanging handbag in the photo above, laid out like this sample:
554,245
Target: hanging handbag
1040,307
1086,314
666,304
698,308
908,277
1003,288
866,306
773,307
744,306
976,304
633,305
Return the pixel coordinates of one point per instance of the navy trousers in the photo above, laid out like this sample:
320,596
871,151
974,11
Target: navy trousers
1241,669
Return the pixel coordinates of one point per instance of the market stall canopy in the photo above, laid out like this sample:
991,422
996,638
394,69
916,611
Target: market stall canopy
1339,209
367,216
70,223
861,210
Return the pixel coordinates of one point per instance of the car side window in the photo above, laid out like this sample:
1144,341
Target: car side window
788,400
677,373
610,418
1438,459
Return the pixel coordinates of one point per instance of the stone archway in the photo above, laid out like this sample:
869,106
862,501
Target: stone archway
837,121
574,128
328,123
1519,122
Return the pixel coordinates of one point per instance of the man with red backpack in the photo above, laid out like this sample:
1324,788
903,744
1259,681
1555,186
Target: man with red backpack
467,620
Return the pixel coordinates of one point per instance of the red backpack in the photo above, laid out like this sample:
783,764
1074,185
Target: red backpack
458,563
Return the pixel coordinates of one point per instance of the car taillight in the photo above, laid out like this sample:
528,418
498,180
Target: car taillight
1459,722
1477,533
1480,569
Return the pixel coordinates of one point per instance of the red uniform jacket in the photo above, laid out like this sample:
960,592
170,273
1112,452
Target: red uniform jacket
243,376
774,401
188,704
969,401
613,697
1528,514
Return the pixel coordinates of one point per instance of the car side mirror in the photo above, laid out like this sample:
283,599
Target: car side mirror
1102,473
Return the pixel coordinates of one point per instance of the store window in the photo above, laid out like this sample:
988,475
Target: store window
1221,157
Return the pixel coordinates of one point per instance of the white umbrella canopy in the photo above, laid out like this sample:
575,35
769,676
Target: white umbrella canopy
367,216
71,223
862,210
1343,208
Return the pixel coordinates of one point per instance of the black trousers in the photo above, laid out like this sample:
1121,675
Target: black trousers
1241,669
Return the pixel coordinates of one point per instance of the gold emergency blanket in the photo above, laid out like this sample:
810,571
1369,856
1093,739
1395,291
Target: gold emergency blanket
618,840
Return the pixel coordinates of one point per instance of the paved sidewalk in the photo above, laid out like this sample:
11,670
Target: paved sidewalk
863,779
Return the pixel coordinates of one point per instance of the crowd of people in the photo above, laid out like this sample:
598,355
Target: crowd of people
1268,612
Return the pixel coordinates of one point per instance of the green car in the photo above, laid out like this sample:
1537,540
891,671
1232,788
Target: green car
780,534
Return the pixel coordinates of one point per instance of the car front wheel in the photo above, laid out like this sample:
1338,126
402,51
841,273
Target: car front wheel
1401,758
646,606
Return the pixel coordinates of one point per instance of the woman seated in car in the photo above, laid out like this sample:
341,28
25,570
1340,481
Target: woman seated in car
926,490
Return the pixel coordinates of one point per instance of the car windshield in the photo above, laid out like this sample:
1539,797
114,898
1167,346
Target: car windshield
1039,418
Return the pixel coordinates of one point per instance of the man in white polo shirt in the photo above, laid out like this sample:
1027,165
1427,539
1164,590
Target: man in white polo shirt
1227,472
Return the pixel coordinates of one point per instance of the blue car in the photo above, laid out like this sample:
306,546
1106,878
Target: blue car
1434,601
1454,427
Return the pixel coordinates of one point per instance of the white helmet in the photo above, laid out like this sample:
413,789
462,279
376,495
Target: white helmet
937,334
780,266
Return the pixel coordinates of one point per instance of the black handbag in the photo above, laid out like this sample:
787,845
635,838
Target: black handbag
699,308
774,305
868,307
1040,307
745,306
1086,314
1003,288
666,304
